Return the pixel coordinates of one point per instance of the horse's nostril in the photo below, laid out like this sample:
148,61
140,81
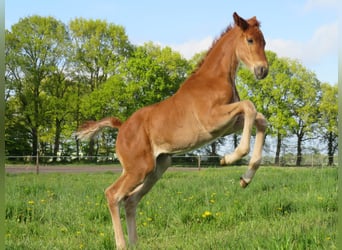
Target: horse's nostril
261,72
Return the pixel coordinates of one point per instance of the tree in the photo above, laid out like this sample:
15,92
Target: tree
98,50
34,49
328,119
305,97
59,102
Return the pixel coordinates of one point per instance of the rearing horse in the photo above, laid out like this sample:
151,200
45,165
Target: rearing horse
205,107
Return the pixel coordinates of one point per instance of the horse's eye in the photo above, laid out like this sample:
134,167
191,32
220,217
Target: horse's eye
250,40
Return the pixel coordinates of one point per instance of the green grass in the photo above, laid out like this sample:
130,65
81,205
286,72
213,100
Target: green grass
283,208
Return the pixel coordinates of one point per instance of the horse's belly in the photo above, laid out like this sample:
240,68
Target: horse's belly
182,142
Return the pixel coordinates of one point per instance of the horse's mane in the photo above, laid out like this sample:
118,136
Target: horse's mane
199,64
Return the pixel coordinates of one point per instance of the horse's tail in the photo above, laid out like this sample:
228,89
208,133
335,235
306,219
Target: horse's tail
90,128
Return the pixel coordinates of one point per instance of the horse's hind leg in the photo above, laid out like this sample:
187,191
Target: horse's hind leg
254,163
135,171
115,194
162,163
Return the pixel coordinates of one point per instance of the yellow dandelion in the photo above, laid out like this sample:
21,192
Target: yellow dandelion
206,214
31,202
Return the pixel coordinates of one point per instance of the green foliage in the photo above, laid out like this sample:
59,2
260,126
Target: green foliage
328,108
283,208
98,49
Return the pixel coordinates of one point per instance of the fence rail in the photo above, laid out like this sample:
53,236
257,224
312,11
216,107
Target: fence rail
179,160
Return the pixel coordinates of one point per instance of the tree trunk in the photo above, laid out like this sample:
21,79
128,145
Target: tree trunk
277,156
235,140
57,137
299,151
91,151
330,149
36,118
213,149
34,142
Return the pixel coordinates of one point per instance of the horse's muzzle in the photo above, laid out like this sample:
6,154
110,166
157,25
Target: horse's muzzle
260,72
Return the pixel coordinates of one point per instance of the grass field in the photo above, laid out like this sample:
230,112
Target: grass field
283,208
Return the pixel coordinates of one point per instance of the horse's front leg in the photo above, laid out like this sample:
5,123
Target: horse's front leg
248,118
254,163
246,122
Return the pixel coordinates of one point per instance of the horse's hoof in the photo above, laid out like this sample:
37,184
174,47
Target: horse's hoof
243,183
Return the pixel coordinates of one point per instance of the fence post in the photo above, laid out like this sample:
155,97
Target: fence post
199,162
37,162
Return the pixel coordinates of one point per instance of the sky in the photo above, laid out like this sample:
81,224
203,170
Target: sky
305,30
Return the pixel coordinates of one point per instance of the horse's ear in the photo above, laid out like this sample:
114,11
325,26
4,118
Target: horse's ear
239,21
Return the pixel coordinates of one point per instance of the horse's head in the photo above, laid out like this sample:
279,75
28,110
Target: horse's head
250,47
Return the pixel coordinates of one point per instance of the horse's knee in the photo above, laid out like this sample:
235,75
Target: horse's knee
249,107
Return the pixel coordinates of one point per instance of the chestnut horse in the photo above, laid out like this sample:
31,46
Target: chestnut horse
205,107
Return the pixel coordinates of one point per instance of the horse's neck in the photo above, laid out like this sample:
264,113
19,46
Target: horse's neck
220,66
221,61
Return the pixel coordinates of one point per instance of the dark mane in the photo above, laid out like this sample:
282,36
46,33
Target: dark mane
199,64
